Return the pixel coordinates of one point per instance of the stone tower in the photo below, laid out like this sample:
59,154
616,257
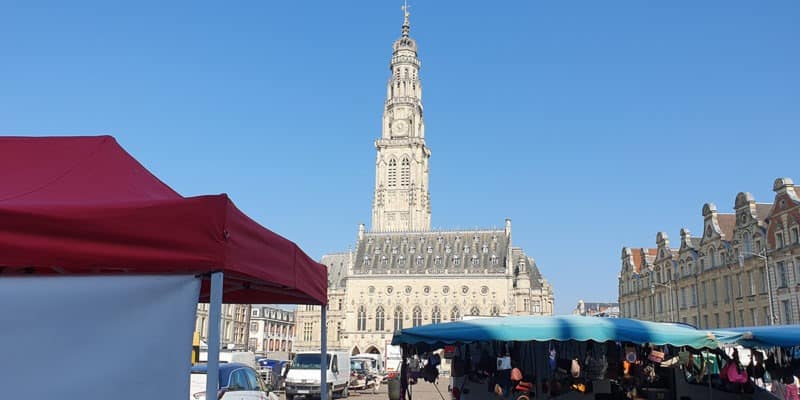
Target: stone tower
402,198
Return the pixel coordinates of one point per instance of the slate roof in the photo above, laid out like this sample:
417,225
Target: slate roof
337,268
434,252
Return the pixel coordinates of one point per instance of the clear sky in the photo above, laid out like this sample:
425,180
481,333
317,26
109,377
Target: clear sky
591,124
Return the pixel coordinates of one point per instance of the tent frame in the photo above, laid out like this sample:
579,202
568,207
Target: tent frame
214,328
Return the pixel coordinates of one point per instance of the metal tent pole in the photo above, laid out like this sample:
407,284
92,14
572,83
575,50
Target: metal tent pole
323,354
214,322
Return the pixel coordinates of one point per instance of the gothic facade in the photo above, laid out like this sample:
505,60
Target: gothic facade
400,273
744,269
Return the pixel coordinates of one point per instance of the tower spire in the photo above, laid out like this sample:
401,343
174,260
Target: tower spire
406,14
402,200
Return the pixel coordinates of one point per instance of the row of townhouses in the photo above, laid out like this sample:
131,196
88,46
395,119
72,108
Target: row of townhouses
744,269
271,329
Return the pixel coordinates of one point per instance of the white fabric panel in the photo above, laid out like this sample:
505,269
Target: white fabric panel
98,337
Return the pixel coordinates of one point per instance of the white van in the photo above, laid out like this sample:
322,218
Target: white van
225,356
375,361
303,378
394,357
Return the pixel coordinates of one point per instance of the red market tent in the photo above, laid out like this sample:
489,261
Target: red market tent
84,206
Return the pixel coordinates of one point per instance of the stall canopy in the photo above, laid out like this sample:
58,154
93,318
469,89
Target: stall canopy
84,206
560,328
761,336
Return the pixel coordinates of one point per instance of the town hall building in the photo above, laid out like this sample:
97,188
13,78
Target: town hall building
401,273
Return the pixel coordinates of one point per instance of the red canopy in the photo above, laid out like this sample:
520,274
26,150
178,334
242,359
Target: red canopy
83,205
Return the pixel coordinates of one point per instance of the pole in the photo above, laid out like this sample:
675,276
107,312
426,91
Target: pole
653,304
730,294
214,322
769,289
677,306
247,328
323,380
697,298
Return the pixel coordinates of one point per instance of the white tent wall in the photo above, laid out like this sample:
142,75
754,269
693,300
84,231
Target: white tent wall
96,337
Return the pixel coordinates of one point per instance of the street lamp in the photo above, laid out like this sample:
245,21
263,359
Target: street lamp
769,281
669,288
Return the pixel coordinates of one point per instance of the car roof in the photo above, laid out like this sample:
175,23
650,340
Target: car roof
225,370
223,367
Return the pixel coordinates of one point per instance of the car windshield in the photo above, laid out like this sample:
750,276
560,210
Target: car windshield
308,361
358,365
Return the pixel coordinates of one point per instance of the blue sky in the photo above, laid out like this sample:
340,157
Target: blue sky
592,125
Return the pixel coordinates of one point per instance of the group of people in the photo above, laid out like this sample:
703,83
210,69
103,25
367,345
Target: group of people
780,378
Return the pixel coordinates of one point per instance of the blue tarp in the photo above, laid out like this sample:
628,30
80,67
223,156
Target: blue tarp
761,336
561,328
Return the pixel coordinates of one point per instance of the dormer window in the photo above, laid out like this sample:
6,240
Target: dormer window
439,239
430,249
420,261
466,249
494,259
475,261
412,249
437,261
447,249
485,249
384,260
394,250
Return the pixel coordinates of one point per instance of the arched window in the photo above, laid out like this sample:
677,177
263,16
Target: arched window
380,319
391,180
405,172
436,315
475,311
362,319
416,319
455,314
495,311
398,319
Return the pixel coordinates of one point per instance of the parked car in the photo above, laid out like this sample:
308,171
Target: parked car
236,381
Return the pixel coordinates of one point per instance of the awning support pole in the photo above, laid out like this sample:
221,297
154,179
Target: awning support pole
214,322
323,354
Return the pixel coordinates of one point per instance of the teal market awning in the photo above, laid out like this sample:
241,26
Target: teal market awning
761,336
560,328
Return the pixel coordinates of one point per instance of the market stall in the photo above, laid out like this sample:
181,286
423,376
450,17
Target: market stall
562,357
102,266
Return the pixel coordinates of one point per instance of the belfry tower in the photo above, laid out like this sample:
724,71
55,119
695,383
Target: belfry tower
402,198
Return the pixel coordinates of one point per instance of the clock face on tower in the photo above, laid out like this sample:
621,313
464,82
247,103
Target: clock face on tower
399,128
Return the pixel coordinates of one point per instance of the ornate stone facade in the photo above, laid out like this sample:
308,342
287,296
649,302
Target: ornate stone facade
400,273
234,325
744,269
272,330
